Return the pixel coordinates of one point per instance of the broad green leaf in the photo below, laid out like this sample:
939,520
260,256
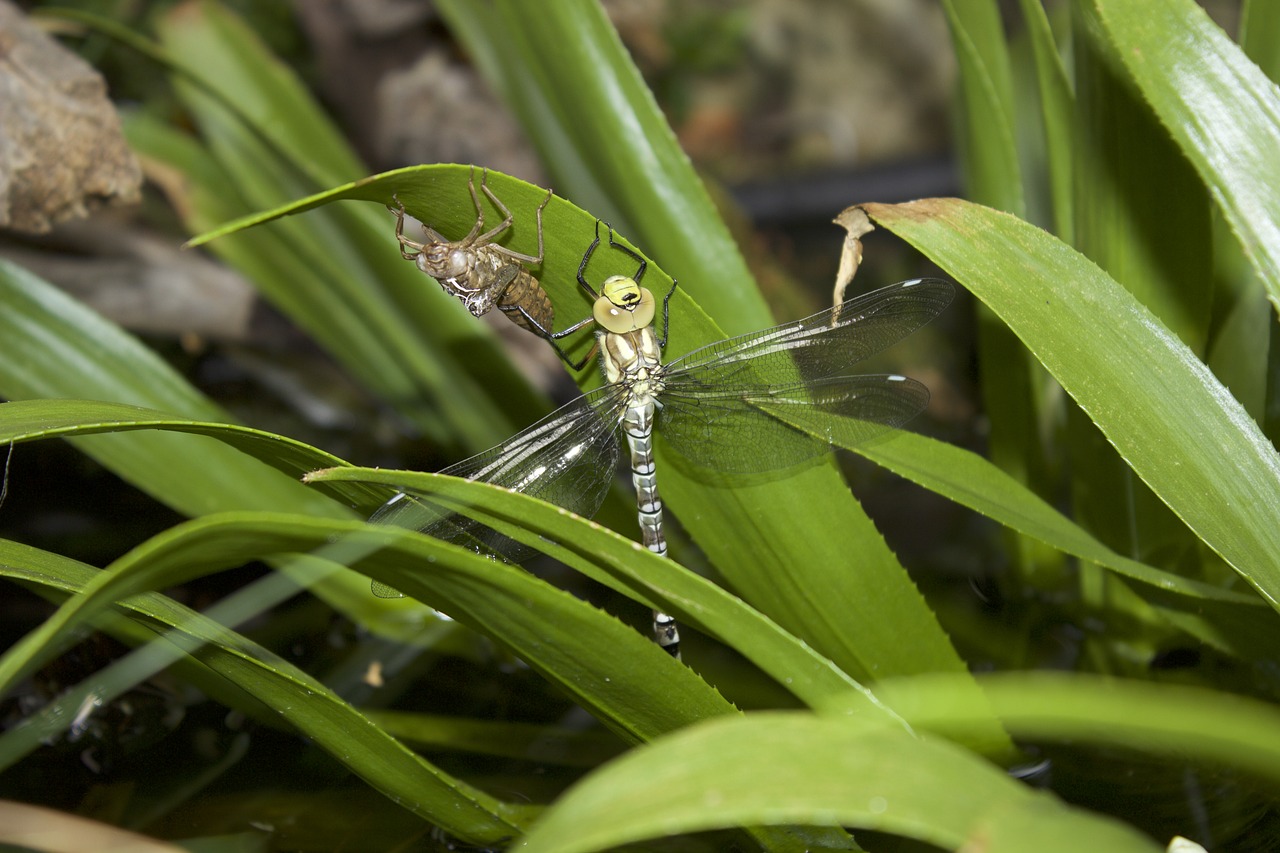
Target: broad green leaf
1174,720
56,347
1172,421
438,195
799,768
299,699
1219,107
1207,612
621,564
1012,385
1142,212
1144,217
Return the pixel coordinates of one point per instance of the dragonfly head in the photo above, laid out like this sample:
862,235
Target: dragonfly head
623,305
439,259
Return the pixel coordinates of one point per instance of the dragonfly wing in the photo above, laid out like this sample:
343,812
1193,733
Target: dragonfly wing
826,344
753,429
569,458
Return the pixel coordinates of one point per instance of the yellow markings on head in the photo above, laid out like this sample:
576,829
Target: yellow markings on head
623,305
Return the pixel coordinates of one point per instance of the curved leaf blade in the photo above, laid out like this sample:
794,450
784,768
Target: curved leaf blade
1178,721
971,481
797,768
622,565
31,420
437,194
57,347
1170,418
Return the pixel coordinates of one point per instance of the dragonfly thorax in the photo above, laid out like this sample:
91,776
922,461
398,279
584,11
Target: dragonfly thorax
623,305
633,360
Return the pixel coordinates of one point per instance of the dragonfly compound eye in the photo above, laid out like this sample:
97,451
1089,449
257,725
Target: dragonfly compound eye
624,306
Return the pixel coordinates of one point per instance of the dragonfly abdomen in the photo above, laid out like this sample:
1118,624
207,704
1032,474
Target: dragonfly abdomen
524,292
637,423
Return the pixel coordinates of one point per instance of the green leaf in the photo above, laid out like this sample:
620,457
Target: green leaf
1149,227
56,347
798,768
1057,107
1219,107
1011,383
621,564
1171,420
438,195
972,481
1148,222
568,641
30,420
986,86
1177,721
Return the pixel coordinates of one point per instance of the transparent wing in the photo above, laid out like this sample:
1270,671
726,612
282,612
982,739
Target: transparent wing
722,404
568,458
826,344
752,429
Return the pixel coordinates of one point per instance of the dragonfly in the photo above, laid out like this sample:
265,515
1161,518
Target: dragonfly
481,272
723,406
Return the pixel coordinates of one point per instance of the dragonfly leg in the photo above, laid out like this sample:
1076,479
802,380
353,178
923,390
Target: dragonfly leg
550,337
475,200
614,244
586,257
405,243
666,314
486,239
